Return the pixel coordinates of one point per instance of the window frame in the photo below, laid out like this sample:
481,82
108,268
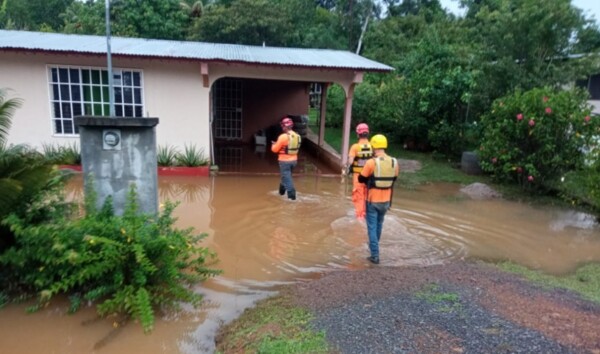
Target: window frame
87,94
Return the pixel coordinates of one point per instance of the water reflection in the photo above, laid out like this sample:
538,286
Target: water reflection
264,240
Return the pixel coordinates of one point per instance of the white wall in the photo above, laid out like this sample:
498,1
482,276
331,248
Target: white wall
173,92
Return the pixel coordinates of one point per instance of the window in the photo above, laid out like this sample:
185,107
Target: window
78,91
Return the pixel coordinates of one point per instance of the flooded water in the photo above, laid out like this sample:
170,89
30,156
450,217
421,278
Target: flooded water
264,240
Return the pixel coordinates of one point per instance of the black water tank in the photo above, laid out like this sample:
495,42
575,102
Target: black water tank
469,163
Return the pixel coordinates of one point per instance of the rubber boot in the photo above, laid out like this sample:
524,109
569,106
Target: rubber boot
281,189
292,195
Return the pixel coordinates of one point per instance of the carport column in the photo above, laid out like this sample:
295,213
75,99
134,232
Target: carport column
322,114
116,153
347,122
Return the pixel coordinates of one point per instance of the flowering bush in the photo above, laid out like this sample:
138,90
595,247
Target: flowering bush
535,137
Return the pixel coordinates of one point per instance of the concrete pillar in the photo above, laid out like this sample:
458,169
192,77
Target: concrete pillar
116,153
347,123
323,108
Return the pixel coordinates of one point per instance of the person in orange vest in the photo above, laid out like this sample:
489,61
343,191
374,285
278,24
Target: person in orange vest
358,155
379,174
287,147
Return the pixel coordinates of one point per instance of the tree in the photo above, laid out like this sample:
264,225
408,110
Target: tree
159,19
243,22
33,15
413,7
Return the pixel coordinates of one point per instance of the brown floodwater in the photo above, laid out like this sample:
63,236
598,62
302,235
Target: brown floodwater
264,240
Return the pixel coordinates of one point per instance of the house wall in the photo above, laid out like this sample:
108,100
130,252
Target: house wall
267,101
172,91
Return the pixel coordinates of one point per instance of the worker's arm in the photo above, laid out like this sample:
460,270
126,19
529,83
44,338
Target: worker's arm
366,172
279,144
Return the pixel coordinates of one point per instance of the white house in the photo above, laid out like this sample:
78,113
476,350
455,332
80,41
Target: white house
201,92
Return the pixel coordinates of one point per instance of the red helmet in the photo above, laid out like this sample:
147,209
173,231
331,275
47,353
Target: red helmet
362,128
287,123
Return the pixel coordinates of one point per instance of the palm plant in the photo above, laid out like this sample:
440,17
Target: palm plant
194,8
23,173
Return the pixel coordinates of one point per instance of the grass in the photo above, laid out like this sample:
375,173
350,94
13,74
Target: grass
445,301
584,281
274,326
432,170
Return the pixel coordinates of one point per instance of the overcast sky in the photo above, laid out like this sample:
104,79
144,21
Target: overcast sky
590,7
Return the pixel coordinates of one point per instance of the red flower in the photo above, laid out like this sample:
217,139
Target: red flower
587,119
530,178
520,116
531,122
494,160
548,110
545,98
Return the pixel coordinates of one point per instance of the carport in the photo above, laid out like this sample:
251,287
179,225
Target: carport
249,98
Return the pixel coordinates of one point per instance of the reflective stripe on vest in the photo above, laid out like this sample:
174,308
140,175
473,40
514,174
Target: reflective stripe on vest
364,153
294,141
384,175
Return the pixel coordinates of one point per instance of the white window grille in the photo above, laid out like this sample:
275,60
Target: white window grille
227,109
76,91
229,158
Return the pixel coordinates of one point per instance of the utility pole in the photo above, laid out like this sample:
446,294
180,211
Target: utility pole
111,90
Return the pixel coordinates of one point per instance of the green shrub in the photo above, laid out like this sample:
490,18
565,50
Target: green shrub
336,100
535,137
191,156
129,264
582,187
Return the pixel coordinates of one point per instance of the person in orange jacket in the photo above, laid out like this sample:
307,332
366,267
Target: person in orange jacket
287,147
379,174
358,155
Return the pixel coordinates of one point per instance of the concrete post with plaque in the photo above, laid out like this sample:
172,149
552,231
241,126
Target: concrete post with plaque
116,153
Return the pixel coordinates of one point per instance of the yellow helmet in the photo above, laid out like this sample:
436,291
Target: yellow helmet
379,142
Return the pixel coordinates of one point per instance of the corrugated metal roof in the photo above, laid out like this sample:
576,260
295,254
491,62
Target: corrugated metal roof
314,58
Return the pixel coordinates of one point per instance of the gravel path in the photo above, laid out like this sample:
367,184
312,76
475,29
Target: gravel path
455,308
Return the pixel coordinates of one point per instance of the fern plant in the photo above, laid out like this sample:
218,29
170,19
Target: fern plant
130,264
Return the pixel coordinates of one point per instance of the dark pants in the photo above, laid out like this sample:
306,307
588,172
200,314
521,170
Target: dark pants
285,169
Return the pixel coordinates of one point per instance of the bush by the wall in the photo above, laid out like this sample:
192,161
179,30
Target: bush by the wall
129,265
